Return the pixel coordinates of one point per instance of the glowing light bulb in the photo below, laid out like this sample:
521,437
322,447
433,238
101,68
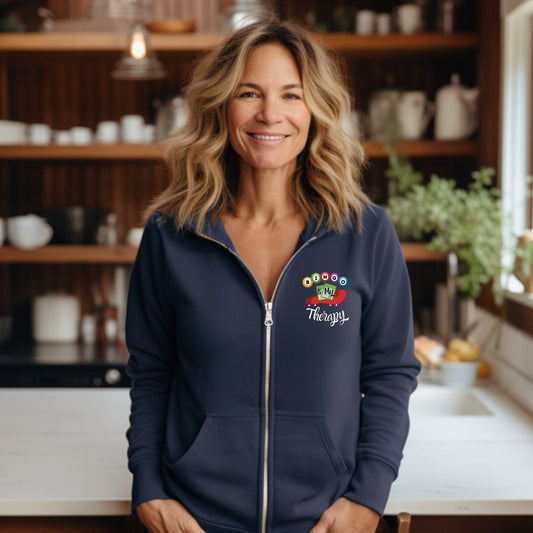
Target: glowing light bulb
138,46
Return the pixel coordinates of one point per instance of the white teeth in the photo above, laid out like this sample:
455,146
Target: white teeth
269,137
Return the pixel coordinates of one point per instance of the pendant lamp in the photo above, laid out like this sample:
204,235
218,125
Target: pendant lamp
138,61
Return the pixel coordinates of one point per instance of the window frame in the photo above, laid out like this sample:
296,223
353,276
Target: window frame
517,142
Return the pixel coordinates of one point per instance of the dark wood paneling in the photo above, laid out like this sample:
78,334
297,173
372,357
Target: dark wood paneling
519,316
471,524
489,80
72,89
88,524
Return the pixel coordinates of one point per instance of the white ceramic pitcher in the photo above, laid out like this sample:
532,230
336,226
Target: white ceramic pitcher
456,115
414,111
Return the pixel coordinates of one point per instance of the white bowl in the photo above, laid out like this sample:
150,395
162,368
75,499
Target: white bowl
459,373
28,231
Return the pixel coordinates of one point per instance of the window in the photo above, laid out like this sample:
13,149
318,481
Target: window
517,123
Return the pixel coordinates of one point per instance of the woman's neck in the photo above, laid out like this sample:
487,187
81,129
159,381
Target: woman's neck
264,196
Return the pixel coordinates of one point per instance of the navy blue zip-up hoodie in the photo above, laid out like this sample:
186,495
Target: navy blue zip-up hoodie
257,415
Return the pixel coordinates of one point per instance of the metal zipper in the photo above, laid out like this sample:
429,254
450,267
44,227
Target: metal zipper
268,322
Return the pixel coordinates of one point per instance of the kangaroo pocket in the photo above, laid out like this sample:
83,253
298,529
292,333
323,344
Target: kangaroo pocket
306,467
217,476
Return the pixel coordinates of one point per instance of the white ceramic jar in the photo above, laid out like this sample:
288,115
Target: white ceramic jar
56,318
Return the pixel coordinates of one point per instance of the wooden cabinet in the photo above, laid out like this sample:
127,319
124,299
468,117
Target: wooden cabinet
64,80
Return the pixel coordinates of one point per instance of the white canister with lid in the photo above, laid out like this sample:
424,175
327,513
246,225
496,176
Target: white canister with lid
56,318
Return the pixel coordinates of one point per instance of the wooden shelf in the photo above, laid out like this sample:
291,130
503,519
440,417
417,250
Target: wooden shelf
88,151
416,252
62,254
373,149
395,42
424,148
102,42
197,42
124,254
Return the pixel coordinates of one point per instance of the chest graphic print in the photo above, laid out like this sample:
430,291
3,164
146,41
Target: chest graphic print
330,291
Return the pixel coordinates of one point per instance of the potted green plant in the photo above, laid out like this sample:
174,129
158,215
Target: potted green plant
466,222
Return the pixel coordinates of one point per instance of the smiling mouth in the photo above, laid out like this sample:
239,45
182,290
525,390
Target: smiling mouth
268,137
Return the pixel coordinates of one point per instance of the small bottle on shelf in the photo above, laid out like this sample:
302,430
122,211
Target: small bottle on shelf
107,234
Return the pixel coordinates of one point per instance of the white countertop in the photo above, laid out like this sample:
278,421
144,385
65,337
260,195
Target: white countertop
478,464
63,452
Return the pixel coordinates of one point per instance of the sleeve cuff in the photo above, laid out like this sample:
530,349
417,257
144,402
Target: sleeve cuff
147,483
371,484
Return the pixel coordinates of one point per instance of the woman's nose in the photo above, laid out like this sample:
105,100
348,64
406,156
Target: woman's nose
270,111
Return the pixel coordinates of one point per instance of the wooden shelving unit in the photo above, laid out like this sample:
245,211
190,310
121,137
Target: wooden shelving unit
124,254
63,79
197,42
374,149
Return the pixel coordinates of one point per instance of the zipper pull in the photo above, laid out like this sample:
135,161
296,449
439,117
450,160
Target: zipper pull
268,316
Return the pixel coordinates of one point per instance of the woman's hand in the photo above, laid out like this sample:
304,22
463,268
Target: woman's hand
345,516
167,516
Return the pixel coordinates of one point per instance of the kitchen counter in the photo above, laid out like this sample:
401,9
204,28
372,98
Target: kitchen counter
63,452
469,452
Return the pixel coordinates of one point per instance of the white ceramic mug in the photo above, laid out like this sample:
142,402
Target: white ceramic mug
2,231
365,22
28,231
148,133
63,137
81,135
132,128
409,18
39,134
107,132
383,23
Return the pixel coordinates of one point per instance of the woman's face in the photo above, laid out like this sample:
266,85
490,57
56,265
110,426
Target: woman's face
267,118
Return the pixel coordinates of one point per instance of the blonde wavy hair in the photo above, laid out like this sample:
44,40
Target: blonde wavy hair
204,169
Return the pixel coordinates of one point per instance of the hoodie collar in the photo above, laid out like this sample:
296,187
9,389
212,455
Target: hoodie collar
216,231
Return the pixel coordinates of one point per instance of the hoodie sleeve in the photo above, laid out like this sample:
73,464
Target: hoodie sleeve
150,341
388,371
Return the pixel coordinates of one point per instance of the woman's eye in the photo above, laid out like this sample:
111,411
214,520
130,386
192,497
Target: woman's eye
247,94
292,96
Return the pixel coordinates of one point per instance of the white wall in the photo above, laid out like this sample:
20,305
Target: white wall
512,361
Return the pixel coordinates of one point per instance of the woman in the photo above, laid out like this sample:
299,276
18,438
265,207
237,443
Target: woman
269,314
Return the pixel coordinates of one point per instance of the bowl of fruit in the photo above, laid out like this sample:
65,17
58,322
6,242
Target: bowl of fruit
460,364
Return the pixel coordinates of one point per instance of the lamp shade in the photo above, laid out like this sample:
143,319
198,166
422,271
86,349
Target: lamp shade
138,61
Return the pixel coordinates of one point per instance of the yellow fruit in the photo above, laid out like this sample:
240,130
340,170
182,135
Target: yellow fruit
452,356
483,370
466,350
